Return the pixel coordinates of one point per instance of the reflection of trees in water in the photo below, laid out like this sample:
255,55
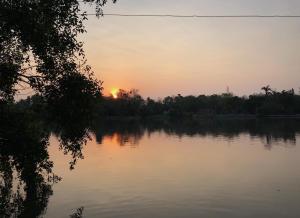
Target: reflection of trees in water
26,176
126,138
271,140
124,133
71,141
271,132
78,213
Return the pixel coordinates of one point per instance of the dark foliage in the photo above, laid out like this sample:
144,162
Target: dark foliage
270,103
25,129
39,48
23,150
78,213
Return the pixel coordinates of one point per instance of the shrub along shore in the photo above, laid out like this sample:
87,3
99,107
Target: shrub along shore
131,105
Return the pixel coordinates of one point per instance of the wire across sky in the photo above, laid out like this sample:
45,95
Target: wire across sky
195,16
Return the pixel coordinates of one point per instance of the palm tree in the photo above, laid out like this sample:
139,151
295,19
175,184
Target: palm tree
267,89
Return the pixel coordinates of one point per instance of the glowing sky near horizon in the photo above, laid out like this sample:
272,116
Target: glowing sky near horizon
167,56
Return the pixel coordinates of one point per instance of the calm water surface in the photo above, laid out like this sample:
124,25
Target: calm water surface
177,172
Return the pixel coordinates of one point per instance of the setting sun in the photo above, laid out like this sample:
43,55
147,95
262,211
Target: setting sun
114,92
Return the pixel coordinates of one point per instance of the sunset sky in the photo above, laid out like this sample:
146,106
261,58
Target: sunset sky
167,56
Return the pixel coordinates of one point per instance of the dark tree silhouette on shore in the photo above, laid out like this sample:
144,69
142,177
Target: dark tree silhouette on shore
270,103
267,89
39,47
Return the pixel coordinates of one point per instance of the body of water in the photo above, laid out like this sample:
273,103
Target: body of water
157,168
217,170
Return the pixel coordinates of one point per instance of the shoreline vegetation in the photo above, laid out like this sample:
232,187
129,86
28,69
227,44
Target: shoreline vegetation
129,105
202,117
269,104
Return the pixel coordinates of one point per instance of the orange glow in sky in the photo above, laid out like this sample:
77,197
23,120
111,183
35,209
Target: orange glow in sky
195,56
114,92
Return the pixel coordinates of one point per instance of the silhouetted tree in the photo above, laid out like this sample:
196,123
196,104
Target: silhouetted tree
267,89
39,47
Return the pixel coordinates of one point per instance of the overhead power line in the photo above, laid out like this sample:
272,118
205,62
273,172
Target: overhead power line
196,16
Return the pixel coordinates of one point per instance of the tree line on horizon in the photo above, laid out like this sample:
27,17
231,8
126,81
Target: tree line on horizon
132,104
270,102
